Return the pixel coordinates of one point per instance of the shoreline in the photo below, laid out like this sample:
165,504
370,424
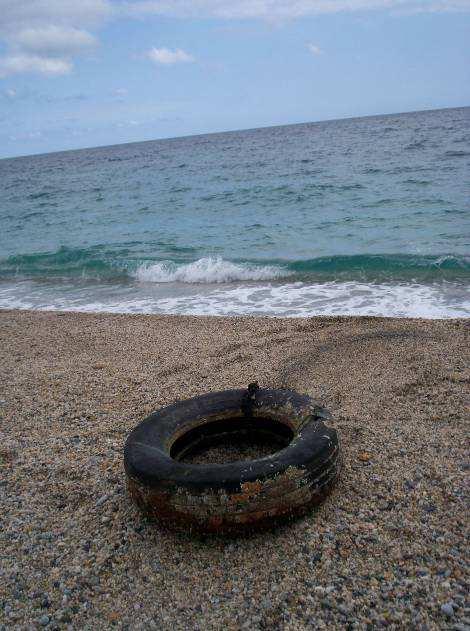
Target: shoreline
264,298
388,548
248,316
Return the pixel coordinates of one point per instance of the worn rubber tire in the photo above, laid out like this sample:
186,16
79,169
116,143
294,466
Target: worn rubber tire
240,495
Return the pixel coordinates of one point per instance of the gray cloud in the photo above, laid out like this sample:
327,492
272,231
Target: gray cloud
53,40
16,15
279,9
43,36
18,64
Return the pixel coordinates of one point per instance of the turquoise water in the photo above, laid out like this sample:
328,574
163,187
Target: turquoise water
357,216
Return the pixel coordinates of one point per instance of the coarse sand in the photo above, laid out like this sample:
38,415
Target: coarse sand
386,549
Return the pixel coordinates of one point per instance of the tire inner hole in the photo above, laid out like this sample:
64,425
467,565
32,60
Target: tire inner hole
231,440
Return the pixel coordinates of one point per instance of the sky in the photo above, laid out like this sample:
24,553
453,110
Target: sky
83,73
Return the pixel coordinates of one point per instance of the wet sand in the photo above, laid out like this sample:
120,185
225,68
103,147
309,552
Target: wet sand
387,549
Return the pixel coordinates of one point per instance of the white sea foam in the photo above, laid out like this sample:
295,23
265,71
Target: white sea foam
304,300
206,270
446,300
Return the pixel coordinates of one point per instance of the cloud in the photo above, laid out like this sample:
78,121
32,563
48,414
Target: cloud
17,64
120,95
16,15
30,135
278,9
43,36
166,56
315,50
27,93
53,40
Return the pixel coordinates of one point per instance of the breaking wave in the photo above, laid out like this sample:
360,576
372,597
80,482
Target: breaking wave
207,270
117,265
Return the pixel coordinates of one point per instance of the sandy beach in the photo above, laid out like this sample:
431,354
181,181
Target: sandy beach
387,548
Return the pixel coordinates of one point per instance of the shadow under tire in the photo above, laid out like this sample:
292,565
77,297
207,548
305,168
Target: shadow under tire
235,496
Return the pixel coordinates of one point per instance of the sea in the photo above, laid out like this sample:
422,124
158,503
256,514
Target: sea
360,216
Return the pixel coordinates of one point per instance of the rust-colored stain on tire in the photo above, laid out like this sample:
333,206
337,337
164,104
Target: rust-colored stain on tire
237,496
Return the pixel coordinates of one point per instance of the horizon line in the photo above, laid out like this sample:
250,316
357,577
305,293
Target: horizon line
231,131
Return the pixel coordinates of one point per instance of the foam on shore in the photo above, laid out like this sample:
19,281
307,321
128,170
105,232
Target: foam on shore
296,299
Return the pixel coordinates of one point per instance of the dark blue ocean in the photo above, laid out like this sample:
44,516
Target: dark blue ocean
357,216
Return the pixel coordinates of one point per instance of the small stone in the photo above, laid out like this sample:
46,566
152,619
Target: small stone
266,603
447,610
66,616
44,621
364,456
101,500
344,610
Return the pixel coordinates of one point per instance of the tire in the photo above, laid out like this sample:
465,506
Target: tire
240,495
